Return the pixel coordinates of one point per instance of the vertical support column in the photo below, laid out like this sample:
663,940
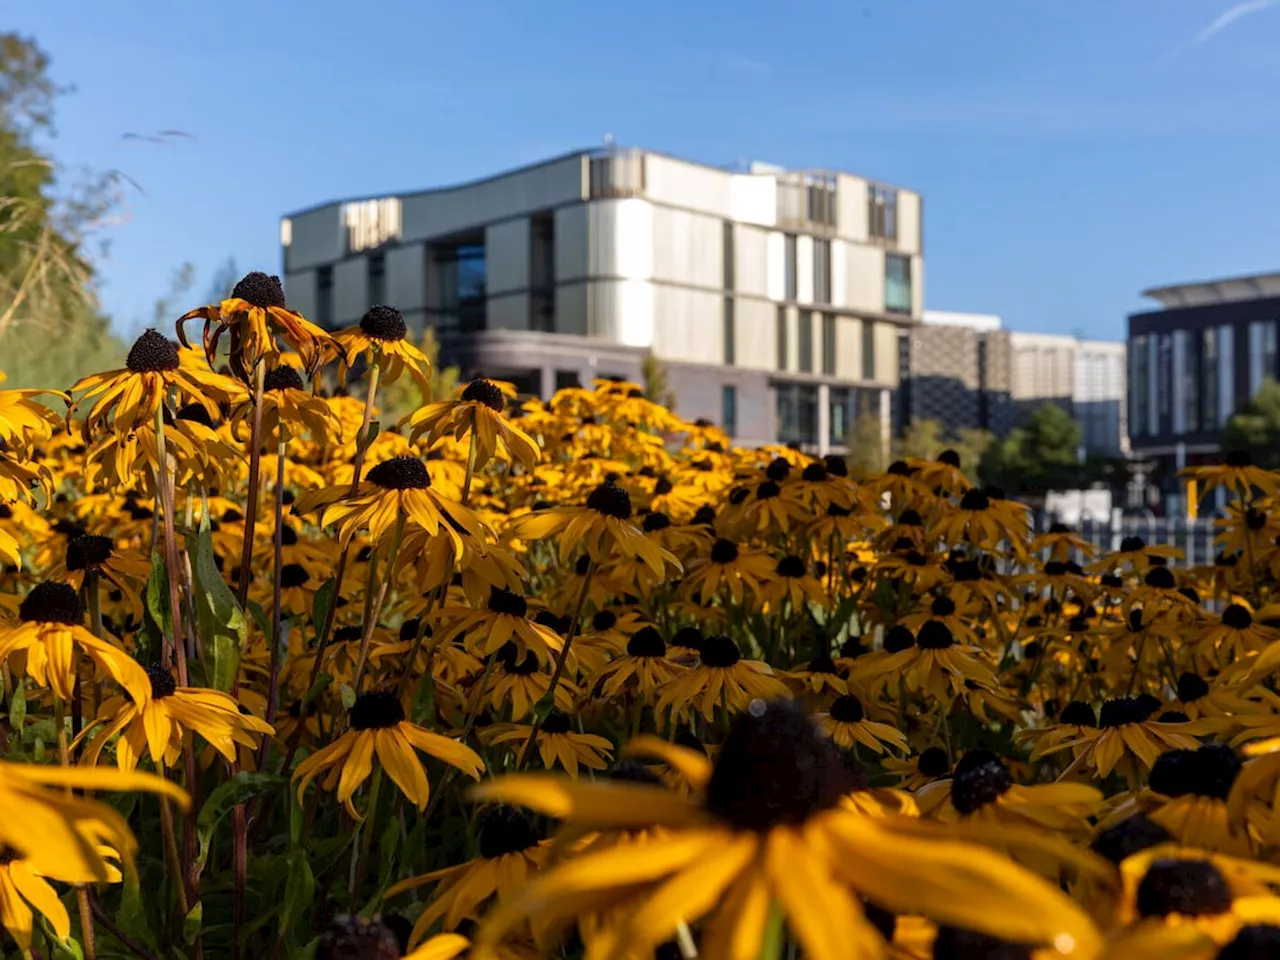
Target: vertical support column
824,419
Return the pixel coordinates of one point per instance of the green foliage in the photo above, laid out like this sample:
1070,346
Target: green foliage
1255,427
925,439
656,387
51,332
866,445
1039,456
222,624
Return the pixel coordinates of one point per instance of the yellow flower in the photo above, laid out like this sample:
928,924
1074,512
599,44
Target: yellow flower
128,399
642,669
721,679
478,411
558,744
848,725
50,629
161,725
378,727
285,402
380,338
25,420
255,315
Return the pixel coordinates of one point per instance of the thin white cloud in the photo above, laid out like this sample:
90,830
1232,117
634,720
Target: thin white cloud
735,64
1220,23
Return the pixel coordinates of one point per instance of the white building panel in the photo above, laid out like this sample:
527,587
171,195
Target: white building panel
848,348
751,268
839,268
317,237
686,325
908,222
754,327
622,238
300,292
793,340
509,312
804,269
506,247
864,279
851,207
350,291
406,277
440,213
777,272
917,287
753,199
623,311
886,339
572,243
688,185
571,308
688,248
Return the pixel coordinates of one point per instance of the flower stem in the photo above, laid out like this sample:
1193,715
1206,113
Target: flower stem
362,439
548,702
277,615
251,498
375,611
471,461
165,494
366,832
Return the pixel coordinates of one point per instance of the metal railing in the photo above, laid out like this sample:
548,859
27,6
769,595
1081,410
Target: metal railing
1193,537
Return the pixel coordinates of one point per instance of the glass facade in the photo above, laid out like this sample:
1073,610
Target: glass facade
797,413
897,284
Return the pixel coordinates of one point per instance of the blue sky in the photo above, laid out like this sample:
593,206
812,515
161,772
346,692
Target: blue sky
1071,152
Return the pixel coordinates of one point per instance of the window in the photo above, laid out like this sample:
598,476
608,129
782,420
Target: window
782,338
324,297
797,413
377,267
542,272
619,173
897,284
882,212
838,419
821,190
790,266
567,379
1269,350
821,271
729,256
829,344
1191,383
729,409
1139,375
730,339
868,350
460,273
806,342
1208,378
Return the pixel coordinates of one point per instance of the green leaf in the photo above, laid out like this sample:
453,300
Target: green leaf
348,696
156,612
243,786
299,889
260,617
192,923
18,705
322,604
320,686
132,915
221,622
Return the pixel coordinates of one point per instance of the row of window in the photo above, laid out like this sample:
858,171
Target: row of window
1185,380
804,342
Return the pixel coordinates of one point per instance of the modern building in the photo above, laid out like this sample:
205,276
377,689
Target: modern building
965,370
1193,362
773,297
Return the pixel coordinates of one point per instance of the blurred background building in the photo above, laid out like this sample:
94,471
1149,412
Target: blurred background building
773,298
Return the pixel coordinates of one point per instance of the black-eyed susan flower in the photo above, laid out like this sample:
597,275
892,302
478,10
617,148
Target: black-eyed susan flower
379,337
1127,737
257,319
721,679
793,581
520,682
124,568
287,403
984,520
737,571
848,724
601,525
641,669
23,894
1236,635
913,773
770,828
24,420
478,411
124,400
1238,473
505,618
558,744
50,631
378,728
935,663
159,726
512,852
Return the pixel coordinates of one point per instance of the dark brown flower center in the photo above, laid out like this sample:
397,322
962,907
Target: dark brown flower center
485,392
383,323
1209,771
88,552
293,575
1128,837
1191,687
724,551
933,762
980,778
647,642
847,709
1237,617
1239,459
778,470
195,413
1123,710
283,377
556,722
507,603
152,353
656,521
610,500
934,635
52,602
776,768
975,500
260,289
358,938
162,682
1192,888
376,710
400,473
1256,941
792,567
719,651
953,943
1079,714
505,829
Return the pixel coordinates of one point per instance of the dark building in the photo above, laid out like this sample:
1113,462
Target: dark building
1192,364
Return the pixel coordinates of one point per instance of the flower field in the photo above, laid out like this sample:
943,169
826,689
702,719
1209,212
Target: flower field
287,679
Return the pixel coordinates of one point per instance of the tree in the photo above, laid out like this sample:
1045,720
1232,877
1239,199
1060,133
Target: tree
1255,427
866,445
51,330
1040,456
655,382
925,439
